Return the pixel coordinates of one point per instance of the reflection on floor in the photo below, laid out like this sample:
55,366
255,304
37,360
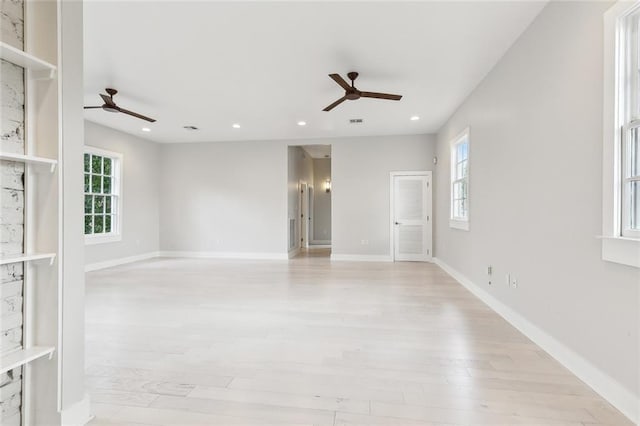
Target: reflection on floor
314,252
310,341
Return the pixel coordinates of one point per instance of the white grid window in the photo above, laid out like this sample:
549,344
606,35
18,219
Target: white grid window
460,181
621,128
629,116
101,195
631,182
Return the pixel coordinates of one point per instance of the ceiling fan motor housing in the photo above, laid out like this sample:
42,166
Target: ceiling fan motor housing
354,94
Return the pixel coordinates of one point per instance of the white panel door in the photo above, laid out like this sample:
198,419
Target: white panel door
411,217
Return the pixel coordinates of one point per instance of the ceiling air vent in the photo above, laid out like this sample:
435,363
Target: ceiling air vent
190,128
356,121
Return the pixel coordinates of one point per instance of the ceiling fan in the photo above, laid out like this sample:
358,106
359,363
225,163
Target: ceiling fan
110,105
351,93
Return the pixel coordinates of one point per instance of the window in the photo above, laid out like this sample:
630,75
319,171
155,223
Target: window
460,182
629,116
102,200
631,180
621,159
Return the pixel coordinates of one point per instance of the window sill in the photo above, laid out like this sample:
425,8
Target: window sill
101,239
459,224
622,250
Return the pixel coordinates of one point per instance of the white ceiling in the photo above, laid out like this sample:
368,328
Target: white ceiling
264,64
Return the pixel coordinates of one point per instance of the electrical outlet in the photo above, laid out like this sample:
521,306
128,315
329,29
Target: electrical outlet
364,242
512,281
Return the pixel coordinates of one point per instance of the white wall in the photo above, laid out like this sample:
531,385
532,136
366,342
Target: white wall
237,197
73,398
140,194
321,200
224,197
360,188
536,185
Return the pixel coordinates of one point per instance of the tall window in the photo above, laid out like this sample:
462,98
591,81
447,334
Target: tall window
460,182
621,134
101,195
629,115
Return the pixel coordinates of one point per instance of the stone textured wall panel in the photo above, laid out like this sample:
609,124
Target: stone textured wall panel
12,114
12,22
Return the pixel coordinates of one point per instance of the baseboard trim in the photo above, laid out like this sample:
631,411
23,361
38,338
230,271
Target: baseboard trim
319,246
78,414
225,255
293,252
320,242
121,261
600,382
361,258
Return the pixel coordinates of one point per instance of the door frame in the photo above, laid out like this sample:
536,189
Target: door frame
310,195
392,175
303,214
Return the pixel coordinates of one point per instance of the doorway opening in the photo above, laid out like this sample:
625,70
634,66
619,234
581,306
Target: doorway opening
309,201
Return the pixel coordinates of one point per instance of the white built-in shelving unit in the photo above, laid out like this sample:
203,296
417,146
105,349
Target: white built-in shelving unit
41,308
27,257
40,70
21,357
30,159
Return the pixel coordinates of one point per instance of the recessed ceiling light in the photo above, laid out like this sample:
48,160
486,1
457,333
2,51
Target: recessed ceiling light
236,126
146,129
302,123
415,118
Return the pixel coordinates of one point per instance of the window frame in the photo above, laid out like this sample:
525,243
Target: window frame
116,190
459,222
619,245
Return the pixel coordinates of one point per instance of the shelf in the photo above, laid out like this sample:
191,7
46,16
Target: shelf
27,257
41,70
30,159
24,356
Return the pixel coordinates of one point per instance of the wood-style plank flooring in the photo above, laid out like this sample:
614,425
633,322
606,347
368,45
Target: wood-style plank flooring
310,342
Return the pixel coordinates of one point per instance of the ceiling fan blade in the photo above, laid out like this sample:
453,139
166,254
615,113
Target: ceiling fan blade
107,100
335,104
92,107
381,96
340,81
135,114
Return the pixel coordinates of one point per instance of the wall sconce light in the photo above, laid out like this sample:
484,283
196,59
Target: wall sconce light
327,185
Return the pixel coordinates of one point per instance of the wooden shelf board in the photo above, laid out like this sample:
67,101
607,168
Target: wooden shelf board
41,69
23,356
29,159
26,257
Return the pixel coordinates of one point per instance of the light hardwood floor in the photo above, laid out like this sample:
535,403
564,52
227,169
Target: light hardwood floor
310,342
